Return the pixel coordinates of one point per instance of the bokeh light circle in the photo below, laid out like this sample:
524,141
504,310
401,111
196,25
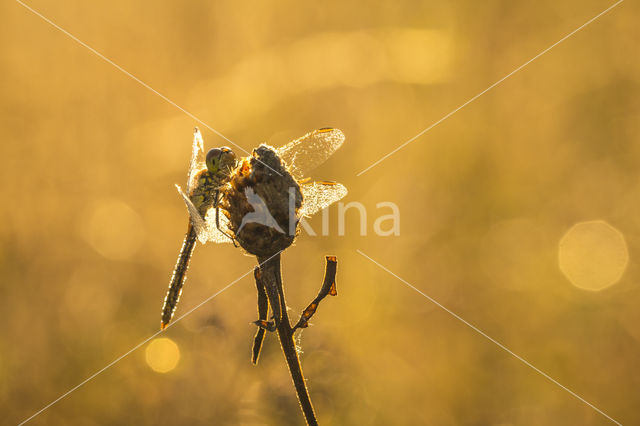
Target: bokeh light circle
593,255
113,229
162,355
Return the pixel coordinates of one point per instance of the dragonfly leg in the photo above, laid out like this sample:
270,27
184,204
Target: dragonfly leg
328,288
215,204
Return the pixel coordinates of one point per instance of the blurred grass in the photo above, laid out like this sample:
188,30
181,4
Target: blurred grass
485,198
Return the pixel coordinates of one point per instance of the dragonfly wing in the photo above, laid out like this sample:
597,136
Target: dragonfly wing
308,152
318,195
206,228
214,234
198,222
197,160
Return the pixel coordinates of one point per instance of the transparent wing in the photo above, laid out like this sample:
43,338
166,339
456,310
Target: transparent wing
308,152
206,228
213,233
198,222
318,195
197,160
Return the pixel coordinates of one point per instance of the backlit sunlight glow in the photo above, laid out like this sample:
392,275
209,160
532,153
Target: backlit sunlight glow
326,60
593,255
162,355
113,229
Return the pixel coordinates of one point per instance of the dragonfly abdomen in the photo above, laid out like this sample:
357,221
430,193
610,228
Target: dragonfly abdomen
179,277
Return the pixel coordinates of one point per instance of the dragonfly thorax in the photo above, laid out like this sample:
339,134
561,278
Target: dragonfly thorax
219,164
204,193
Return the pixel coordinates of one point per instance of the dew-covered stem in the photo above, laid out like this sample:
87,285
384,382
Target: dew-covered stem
272,278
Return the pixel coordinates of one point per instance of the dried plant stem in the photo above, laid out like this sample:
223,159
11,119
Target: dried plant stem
272,278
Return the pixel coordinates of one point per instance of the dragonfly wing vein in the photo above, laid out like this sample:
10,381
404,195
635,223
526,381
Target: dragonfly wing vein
213,233
318,195
197,160
198,222
308,152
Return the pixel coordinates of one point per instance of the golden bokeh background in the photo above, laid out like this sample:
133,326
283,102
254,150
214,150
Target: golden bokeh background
520,212
162,355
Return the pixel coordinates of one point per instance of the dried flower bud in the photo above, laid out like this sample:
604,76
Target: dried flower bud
257,203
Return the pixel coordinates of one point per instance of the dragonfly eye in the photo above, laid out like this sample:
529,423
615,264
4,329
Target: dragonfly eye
227,159
213,159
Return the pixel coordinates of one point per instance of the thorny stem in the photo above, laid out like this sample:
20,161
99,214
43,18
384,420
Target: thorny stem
272,278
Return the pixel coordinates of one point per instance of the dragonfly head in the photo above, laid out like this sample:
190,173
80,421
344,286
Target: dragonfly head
220,159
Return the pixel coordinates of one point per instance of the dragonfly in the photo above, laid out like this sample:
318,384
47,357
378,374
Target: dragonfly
207,177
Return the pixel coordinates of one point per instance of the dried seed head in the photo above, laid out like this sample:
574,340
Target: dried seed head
257,203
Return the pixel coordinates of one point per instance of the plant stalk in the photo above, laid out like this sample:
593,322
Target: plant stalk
272,276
